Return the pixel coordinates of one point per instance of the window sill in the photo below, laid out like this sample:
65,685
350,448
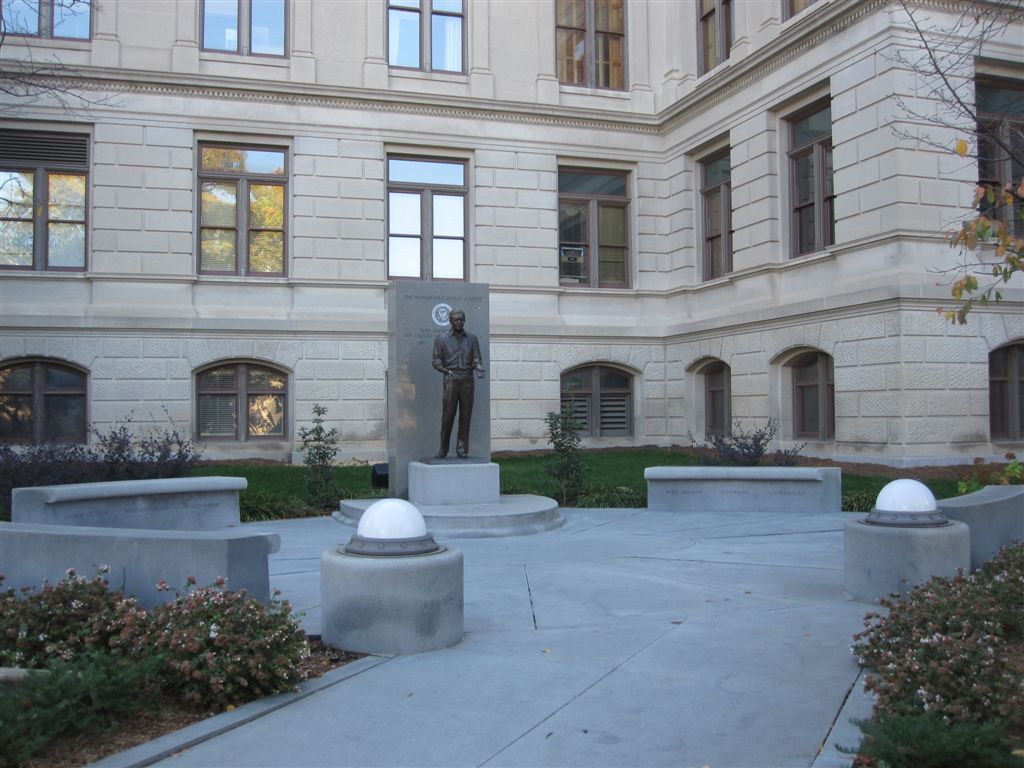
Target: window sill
583,90
262,60
401,73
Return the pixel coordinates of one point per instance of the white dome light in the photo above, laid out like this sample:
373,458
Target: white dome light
391,519
906,496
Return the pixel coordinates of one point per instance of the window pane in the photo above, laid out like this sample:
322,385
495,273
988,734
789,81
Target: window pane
266,206
218,204
16,243
67,197
448,6
16,195
572,222
266,252
709,47
612,266
16,379
715,267
71,20
448,259
996,100
808,415
803,181
426,172
713,211
217,247
403,38
446,43
234,160
611,224
16,417
576,381
66,245
609,16
449,212
403,213
403,257
812,127
267,27
217,416
612,378
220,25
21,17
263,161
717,171
266,379
570,50
806,242
218,378
266,415
571,13
64,418
582,183
62,378
608,62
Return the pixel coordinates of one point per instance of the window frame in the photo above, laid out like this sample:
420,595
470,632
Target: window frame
594,426
594,203
242,392
724,230
1012,405
243,218
40,395
244,18
789,7
426,10
45,19
720,18
822,201
426,237
996,131
41,170
590,36
824,384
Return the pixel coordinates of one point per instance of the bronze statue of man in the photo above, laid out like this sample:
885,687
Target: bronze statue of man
457,356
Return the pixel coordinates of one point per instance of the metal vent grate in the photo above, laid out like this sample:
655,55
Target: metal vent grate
34,148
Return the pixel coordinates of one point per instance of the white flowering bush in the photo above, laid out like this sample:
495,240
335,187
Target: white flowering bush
954,648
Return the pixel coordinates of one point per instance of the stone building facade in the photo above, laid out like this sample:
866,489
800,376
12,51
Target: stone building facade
696,216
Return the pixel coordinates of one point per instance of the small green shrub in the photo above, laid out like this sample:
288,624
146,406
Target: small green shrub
86,695
565,465
983,474
926,740
512,488
859,501
945,648
319,447
606,496
64,620
221,647
268,505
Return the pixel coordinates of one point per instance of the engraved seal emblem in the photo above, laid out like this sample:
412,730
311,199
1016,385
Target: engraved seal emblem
439,314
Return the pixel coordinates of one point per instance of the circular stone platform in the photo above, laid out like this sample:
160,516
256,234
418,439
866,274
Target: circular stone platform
511,515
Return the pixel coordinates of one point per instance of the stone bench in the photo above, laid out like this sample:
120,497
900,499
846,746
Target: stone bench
176,503
139,559
802,490
995,515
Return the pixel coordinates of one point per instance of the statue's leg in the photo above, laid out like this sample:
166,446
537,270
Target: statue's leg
448,403
465,418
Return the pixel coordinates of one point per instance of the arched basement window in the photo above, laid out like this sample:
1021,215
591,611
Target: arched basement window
602,400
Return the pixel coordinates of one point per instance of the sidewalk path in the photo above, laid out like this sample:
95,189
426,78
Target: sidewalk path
625,638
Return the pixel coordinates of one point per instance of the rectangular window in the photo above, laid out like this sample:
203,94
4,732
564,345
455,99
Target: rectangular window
590,43
426,218
592,208
792,7
717,32
69,19
1000,107
811,190
242,192
248,27
43,200
717,201
426,34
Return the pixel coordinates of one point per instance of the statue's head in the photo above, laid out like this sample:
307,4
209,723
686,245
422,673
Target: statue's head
457,318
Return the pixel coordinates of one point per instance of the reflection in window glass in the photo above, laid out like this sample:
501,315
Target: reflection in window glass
42,402
21,17
220,25
446,43
592,218
261,392
267,27
426,172
72,20
448,216
404,213
403,38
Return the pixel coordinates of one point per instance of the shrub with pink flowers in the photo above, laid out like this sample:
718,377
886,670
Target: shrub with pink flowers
953,648
65,620
222,647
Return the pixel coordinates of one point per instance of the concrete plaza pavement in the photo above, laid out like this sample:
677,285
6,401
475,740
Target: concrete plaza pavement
625,638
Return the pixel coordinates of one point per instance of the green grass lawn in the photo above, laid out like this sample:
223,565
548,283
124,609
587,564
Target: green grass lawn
525,473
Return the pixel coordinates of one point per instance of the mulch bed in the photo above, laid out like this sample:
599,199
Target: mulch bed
82,749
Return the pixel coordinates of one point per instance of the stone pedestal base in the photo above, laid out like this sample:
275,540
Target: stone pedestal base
881,560
391,605
454,482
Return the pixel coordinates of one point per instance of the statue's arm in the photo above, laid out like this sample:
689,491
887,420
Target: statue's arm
438,360
478,359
